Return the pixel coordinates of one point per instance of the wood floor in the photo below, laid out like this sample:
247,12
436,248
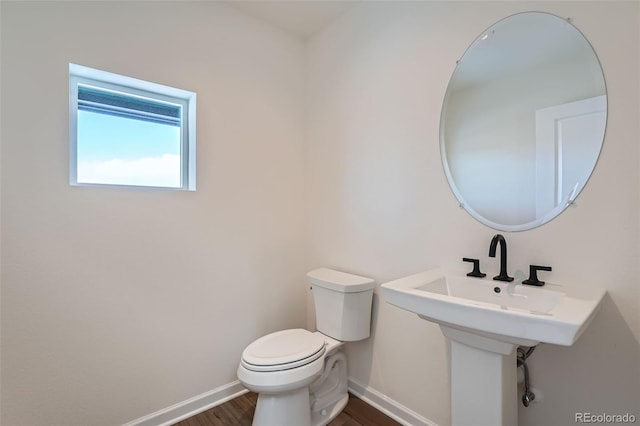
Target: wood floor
239,412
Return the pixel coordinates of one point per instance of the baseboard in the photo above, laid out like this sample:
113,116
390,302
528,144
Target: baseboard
388,406
191,407
203,402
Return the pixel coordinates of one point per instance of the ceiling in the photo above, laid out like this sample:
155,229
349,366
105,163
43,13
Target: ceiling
300,17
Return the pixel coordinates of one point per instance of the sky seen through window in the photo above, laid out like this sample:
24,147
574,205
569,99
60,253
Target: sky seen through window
125,151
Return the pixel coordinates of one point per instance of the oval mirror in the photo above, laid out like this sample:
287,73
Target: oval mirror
523,121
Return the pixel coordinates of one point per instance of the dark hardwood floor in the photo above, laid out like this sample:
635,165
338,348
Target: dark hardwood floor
239,412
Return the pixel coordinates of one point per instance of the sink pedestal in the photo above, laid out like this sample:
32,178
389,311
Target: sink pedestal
483,380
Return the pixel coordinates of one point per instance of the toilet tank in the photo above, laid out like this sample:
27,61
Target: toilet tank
343,304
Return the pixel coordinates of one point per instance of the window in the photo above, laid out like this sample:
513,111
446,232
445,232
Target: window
130,132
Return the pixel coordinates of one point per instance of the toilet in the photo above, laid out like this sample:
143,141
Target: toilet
301,376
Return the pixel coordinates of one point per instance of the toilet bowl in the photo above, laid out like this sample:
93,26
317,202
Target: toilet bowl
301,376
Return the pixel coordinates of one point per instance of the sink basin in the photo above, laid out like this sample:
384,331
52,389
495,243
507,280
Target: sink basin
507,312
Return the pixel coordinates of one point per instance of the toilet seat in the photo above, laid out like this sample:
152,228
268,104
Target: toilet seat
283,350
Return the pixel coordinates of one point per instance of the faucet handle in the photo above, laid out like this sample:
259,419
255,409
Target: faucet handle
476,268
533,275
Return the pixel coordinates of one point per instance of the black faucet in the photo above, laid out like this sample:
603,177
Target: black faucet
498,238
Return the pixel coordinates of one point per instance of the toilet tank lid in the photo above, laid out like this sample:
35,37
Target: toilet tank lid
340,281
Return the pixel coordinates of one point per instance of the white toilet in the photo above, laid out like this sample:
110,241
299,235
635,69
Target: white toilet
300,376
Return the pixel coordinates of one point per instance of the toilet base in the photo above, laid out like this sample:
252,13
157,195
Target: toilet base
283,409
324,416
292,409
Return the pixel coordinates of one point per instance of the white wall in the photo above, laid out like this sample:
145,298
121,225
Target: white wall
120,302
381,207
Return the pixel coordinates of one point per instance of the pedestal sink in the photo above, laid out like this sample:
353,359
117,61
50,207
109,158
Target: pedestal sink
486,321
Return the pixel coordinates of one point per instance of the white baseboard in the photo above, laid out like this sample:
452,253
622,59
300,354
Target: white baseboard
388,406
191,407
203,402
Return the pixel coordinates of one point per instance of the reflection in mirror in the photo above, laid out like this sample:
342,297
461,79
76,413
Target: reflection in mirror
523,121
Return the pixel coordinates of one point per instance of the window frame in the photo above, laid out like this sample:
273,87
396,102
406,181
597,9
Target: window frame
81,75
